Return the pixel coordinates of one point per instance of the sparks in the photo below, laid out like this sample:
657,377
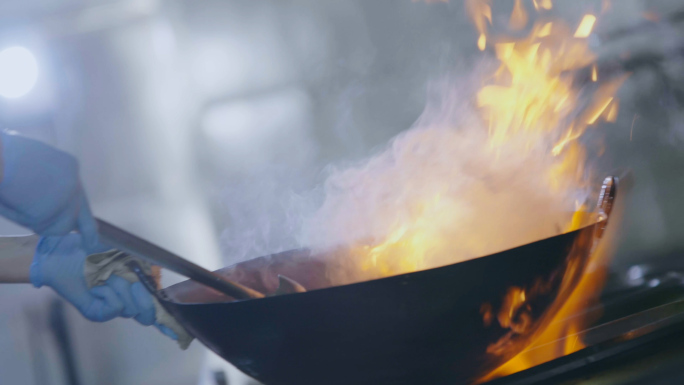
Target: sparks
586,26
482,42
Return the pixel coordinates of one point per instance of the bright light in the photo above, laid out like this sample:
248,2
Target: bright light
18,72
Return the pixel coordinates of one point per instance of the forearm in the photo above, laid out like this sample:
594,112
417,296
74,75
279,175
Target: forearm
16,255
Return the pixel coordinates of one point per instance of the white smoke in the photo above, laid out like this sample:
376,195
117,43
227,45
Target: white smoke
479,200
266,210
440,179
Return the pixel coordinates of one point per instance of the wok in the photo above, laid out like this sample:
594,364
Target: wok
437,326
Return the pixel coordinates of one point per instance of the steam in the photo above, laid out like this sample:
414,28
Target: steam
266,209
437,194
443,183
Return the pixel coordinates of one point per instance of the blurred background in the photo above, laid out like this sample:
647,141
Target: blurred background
197,122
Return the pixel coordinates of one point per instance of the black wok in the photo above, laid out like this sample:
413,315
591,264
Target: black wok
437,326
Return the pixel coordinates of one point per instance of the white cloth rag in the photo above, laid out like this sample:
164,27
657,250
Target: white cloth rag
99,267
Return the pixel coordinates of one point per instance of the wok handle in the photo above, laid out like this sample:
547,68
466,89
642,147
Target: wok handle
151,285
147,281
605,203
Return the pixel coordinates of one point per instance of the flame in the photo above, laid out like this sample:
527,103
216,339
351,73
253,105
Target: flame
529,102
533,93
528,95
545,30
562,334
416,205
612,113
518,17
559,338
481,14
482,42
586,26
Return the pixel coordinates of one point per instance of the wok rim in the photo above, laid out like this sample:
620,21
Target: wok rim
167,298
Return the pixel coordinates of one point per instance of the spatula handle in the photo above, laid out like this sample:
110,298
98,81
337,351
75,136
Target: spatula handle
134,245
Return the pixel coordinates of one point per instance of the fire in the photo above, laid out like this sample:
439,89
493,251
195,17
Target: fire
585,27
529,102
560,337
542,4
501,169
518,17
481,13
533,94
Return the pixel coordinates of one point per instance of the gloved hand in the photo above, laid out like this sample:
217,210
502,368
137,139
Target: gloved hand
59,263
41,189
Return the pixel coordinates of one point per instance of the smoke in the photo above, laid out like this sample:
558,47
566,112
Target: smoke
436,194
266,210
441,193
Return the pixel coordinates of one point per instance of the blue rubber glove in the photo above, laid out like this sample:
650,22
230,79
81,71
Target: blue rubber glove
41,189
137,303
59,263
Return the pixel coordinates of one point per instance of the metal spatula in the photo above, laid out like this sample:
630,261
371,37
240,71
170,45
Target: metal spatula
134,245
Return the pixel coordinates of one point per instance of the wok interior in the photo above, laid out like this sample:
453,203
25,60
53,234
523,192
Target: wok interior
260,274
301,265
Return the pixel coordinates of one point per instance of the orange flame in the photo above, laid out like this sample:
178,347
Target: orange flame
530,101
561,336
532,98
481,14
411,211
518,17
586,26
533,93
531,114
441,195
